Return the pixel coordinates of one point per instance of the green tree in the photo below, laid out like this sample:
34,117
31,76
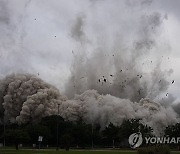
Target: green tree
64,127
173,130
111,134
131,126
16,137
36,130
66,141
82,133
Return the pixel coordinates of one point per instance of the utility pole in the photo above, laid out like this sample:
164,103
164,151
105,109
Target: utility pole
4,131
113,144
92,136
57,133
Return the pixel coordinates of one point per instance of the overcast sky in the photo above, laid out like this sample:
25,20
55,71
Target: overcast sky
38,36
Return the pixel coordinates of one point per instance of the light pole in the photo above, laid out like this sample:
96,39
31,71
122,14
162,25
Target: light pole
92,135
113,144
4,131
57,133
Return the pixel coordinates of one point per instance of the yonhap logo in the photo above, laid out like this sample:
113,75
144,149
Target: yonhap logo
135,140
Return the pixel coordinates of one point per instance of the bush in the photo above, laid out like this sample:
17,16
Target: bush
154,150
66,139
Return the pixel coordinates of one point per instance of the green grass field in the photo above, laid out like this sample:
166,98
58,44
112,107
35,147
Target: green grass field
11,151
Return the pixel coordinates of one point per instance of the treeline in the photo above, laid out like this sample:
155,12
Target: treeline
65,134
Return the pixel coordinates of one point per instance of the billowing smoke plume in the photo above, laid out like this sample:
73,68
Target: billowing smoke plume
122,69
124,66
24,98
117,73
103,109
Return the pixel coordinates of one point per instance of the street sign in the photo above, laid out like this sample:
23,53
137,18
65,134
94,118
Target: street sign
40,138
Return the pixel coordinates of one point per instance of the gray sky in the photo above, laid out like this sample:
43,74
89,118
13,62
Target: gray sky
38,36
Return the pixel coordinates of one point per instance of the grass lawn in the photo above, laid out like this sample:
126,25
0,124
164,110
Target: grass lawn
12,151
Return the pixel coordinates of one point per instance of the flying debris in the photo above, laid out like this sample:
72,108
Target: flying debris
140,76
36,99
128,64
102,80
122,86
172,81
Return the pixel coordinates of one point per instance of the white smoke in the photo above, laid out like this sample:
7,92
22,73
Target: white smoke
26,98
121,65
121,46
103,109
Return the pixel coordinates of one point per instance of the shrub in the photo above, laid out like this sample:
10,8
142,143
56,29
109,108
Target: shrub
163,149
